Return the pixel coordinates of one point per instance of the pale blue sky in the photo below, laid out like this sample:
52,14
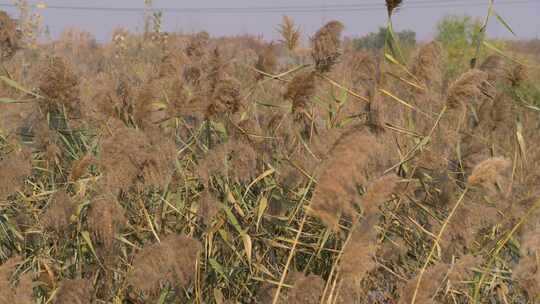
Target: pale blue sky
522,15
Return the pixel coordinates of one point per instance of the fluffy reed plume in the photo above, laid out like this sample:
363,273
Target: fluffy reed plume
236,160
197,47
300,90
22,294
363,71
432,279
378,192
10,37
77,291
354,160
208,206
171,261
306,290
516,75
290,34
462,271
105,219
326,44
80,166
527,274
493,66
59,212
226,98
426,65
60,84
131,157
466,88
266,60
14,169
358,257
489,173
392,5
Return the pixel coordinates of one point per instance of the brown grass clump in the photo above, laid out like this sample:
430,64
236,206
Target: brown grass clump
426,65
466,89
326,45
59,212
356,158
77,291
489,173
290,34
172,261
300,90
105,219
306,290
14,169
10,37
131,157
22,294
60,84
431,281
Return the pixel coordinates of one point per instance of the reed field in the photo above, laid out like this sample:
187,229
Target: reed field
183,168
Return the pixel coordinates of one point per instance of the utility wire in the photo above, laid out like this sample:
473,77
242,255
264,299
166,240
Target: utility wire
419,4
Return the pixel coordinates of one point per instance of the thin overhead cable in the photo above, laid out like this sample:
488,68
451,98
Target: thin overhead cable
418,4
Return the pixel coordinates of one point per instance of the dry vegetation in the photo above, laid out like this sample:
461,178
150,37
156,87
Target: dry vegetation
169,168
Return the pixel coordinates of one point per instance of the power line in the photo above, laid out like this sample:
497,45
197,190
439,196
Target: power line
419,4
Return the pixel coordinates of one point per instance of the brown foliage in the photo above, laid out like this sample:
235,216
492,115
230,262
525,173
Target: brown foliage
173,261
77,291
326,45
10,37
14,169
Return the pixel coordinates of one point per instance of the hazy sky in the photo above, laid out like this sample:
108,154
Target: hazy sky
522,15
